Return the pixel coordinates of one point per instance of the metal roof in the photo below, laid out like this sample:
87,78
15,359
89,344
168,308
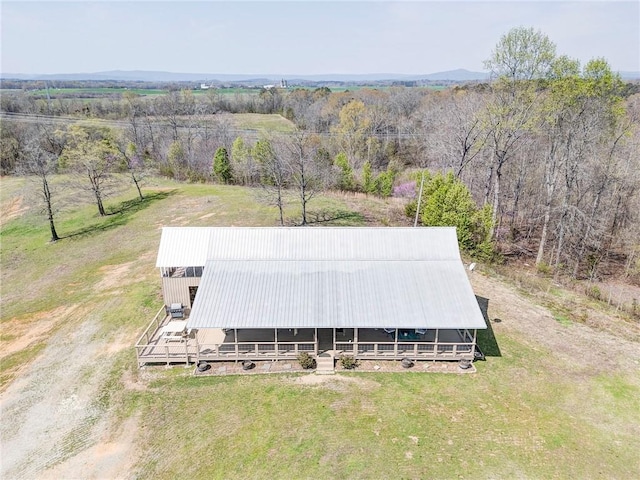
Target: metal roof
324,277
342,294
183,247
193,246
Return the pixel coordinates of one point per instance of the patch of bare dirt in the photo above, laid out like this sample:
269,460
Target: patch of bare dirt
114,276
576,343
22,333
334,380
111,458
13,210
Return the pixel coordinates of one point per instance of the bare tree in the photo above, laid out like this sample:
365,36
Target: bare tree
41,164
307,176
274,173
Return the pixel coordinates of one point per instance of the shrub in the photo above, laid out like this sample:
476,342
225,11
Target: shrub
306,361
544,268
594,292
446,201
348,363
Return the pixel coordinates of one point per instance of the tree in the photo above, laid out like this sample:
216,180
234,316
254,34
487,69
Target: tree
90,152
222,166
307,176
346,180
520,59
274,175
42,165
134,163
368,183
242,162
446,201
352,130
384,182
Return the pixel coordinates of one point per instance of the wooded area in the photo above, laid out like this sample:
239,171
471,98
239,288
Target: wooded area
547,152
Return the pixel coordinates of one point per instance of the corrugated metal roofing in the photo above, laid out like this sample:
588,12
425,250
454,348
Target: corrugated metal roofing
193,246
183,247
324,277
342,294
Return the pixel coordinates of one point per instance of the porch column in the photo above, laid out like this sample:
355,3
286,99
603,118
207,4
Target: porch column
315,341
395,343
275,336
235,335
473,345
334,339
355,341
436,344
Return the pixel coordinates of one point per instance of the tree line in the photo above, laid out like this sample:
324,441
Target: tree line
547,150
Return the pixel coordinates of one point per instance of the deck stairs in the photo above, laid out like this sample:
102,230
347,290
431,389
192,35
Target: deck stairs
325,364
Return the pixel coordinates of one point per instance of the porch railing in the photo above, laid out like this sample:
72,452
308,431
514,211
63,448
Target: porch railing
255,350
438,350
153,327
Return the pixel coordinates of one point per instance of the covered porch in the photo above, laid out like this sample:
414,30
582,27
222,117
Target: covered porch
167,340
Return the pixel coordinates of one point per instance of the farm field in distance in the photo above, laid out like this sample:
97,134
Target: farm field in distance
554,399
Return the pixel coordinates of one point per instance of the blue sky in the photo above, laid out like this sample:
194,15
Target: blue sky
302,37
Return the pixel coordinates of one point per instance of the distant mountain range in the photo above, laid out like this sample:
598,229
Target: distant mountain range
150,76
459,75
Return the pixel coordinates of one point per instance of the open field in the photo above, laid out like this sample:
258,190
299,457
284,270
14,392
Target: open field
553,399
241,122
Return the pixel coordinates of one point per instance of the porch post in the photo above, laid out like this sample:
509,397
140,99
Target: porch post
275,336
334,339
315,341
195,335
235,335
395,343
355,341
473,345
186,351
437,348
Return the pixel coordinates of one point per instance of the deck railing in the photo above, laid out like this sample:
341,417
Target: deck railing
440,350
153,327
255,350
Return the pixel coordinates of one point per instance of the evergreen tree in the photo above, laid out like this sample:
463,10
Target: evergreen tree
446,201
221,166
346,180
368,183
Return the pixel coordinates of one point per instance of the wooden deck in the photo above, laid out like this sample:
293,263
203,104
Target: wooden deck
157,345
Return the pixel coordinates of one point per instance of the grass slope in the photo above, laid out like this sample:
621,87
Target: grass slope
515,418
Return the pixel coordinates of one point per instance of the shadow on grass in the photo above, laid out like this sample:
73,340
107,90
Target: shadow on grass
121,214
486,338
338,217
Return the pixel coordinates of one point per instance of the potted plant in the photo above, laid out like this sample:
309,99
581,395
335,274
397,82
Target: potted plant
406,362
247,364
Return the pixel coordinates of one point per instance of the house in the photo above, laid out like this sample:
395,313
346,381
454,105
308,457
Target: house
272,293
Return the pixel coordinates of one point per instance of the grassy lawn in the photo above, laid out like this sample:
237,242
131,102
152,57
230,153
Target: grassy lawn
503,422
514,418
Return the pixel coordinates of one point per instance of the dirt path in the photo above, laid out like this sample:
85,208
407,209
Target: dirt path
594,350
55,422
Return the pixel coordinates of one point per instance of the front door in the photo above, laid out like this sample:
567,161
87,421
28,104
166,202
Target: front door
192,295
325,339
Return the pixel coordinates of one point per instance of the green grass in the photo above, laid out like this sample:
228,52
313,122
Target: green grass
263,122
525,414
39,277
405,425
